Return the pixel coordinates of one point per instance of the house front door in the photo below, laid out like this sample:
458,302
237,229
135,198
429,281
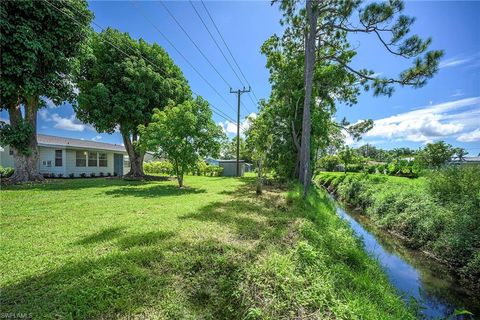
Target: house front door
118,164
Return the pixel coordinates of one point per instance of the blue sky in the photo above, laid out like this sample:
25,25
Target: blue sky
447,108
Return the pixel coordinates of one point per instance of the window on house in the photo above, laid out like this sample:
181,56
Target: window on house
102,159
81,159
126,161
49,163
92,159
10,152
58,158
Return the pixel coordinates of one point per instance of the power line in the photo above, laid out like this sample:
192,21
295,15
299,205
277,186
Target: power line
180,53
215,41
228,49
194,43
221,51
219,112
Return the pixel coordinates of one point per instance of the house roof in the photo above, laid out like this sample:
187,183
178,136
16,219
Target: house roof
53,141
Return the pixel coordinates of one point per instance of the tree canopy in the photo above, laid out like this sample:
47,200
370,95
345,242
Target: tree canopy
183,133
311,71
39,44
121,82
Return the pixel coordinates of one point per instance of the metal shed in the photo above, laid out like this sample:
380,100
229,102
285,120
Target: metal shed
230,167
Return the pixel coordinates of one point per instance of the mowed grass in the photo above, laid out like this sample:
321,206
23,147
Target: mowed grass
109,248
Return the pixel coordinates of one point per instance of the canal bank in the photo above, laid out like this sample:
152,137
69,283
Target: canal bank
436,290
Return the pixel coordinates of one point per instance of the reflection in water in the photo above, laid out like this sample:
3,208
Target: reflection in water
428,282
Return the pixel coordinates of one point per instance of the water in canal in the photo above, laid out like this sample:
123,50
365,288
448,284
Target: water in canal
412,273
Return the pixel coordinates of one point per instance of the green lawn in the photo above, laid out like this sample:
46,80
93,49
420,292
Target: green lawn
108,248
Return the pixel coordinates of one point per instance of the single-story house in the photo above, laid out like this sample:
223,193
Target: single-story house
465,160
67,156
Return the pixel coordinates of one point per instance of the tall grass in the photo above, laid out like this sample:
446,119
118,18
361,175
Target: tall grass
439,214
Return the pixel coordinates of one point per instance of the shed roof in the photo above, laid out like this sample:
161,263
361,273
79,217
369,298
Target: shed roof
54,141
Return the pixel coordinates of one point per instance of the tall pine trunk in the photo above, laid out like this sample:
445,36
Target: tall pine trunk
26,165
310,38
135,157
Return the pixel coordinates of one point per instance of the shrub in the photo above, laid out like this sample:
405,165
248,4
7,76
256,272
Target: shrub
329,163
83,175
158,167
71,175
60,175
354,167
115,174
92,174
6,172
109,174
48,175
101,174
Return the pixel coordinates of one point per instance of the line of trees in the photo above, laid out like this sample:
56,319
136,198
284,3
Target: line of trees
310,72
114,82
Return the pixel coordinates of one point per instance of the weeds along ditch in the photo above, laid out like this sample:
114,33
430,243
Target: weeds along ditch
438,214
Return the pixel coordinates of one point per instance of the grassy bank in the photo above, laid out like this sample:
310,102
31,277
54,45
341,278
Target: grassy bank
105,248
439,214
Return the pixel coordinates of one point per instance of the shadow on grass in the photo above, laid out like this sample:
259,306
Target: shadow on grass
158,274
144,239
155,190
74,184
101,236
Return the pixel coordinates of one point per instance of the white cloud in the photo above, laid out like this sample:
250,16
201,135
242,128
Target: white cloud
231,128
453,62
457,93
43,113
96,138
69,124
470,136
429,122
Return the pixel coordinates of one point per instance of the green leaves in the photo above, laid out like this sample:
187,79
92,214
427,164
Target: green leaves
184,133
122,85
16,136
39,46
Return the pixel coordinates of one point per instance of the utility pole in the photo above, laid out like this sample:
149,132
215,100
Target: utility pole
238,92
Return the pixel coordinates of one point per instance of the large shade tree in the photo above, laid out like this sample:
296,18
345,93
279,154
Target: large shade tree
121,82
39,44
325,28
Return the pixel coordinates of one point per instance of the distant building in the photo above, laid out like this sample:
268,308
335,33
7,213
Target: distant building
230,167
465,160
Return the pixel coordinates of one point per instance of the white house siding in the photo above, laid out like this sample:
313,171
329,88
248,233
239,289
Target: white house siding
6,160
47,161
71,163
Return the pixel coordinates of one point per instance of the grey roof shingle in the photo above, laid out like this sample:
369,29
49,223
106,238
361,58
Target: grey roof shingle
46,140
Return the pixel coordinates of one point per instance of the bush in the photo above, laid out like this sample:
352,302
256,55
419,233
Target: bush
158,167
101,174
354,167
329,163
109,174
6,172
71,175
83,175
439,215
60,175
92,174
115,174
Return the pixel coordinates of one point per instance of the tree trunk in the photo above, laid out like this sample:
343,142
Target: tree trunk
26,165
136,158
259,178
180,180
305,171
